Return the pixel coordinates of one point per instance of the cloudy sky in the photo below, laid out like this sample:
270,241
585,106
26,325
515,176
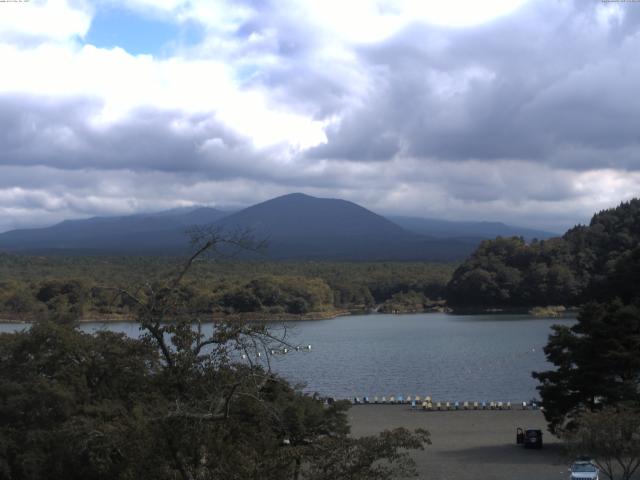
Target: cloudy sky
525,111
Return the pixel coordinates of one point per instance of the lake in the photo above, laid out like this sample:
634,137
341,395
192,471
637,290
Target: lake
450,357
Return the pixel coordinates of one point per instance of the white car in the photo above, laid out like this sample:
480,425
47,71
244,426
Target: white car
583,470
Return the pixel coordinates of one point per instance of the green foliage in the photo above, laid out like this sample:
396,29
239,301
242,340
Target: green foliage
297,295
74,287
592,397
174,404
597,362
622,280
69,402
405,302
508,272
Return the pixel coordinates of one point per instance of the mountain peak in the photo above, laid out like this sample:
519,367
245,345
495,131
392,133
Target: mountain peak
294,195
291,197
299,215
295,226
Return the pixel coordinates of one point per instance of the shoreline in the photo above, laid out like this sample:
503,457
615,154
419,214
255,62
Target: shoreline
260,317
249,317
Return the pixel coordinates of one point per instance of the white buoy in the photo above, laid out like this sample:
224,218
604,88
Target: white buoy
285,350
259,354
308,347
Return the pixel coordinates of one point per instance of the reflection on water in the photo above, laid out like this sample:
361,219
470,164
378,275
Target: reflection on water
450,357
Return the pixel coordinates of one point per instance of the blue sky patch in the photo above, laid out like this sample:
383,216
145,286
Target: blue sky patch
113,27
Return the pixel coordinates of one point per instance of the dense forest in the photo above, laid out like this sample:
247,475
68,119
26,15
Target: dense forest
88,287
591,396
501,273
174,403
568,270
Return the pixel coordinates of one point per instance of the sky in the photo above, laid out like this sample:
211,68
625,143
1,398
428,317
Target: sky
522,111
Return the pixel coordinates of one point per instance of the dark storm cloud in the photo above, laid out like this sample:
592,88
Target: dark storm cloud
68,134
45,140
303,79
555,78
515,120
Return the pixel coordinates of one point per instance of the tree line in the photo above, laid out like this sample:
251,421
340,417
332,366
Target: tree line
568,270
173,404
87,287
591,397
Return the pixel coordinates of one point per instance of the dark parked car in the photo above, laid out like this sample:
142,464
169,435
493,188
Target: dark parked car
529,437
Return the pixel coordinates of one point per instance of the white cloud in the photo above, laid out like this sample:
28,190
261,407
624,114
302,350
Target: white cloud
418,114
124,82
366,21
55,20
460,13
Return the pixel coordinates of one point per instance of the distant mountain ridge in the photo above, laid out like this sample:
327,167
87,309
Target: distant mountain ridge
296,226
452,229
159,232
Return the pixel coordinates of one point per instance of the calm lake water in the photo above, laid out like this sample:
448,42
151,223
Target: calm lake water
450,357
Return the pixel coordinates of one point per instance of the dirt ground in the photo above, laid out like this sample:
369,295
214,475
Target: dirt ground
478,445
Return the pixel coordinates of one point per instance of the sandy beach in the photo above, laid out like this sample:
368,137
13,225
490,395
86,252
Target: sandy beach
466,445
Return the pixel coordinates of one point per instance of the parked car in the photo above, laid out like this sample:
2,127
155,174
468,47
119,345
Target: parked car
529,437
583,470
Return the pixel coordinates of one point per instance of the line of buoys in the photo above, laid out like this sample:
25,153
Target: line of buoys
429,404
284,351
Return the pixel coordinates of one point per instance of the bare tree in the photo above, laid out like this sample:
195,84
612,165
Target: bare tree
217,384
611,437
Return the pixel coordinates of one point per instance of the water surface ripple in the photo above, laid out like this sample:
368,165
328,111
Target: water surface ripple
450,357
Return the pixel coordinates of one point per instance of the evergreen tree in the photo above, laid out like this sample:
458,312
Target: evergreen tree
176,403
597,362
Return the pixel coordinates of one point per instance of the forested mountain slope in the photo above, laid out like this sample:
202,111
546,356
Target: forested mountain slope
564,270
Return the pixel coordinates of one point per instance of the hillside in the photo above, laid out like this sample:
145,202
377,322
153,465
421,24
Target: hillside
295,226
153,233
579,266
299,216
481,230
299,226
